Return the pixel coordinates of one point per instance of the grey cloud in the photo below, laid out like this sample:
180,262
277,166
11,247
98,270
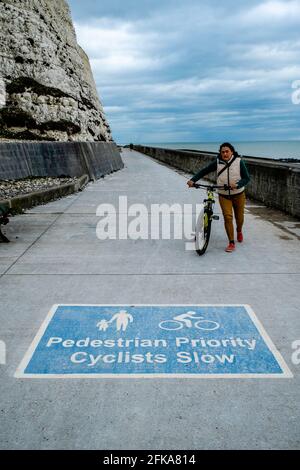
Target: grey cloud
171,63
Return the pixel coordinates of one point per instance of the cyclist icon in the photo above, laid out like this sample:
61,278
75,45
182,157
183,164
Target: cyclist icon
188,320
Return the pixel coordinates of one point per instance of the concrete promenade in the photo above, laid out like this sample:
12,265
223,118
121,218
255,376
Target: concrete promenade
55,257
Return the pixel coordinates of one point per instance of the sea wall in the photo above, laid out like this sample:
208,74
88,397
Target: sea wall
275,183
23,159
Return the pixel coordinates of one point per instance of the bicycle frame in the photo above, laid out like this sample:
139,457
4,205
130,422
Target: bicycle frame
208,206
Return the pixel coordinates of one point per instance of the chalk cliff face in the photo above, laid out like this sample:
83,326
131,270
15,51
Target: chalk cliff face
50,93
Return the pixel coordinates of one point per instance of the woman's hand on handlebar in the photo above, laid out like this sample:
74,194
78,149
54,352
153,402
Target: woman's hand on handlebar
190,183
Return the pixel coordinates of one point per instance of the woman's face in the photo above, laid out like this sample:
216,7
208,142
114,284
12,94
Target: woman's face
226,153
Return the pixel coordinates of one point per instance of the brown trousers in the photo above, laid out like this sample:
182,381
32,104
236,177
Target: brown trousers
237,203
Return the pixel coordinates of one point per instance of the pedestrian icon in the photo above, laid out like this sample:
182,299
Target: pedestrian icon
122,318
103,325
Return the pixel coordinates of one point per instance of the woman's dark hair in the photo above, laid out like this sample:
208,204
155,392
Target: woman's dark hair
227,144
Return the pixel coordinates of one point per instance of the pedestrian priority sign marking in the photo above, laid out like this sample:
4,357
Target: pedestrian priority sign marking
195,341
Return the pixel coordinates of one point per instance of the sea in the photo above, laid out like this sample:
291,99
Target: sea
280,149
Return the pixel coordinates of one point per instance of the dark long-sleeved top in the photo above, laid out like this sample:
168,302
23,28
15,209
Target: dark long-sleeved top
245,177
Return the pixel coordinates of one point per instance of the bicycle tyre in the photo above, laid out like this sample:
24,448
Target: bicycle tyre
216,327
206,234
170,321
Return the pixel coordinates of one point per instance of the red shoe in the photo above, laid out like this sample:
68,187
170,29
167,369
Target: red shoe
240,237
230,247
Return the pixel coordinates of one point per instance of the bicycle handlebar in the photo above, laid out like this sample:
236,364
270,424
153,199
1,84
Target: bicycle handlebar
211,186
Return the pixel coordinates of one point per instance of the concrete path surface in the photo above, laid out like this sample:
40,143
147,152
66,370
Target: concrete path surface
56,258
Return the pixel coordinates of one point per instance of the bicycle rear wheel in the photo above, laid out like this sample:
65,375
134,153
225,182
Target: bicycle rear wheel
170,325
202,232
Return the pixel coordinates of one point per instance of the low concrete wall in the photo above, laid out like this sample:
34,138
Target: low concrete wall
275,183
22,159
17,204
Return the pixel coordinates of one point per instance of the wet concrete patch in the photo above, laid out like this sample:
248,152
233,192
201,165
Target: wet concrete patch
279,219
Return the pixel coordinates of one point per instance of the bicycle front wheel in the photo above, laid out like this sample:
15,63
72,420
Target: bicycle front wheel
202,232
208,325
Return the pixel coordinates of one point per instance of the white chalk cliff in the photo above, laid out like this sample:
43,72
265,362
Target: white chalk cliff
50,93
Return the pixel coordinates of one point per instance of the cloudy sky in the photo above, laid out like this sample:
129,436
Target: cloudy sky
194,70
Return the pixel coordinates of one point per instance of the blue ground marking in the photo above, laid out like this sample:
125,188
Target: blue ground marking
152,340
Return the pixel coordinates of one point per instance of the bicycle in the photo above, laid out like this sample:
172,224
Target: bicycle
201,324
205,218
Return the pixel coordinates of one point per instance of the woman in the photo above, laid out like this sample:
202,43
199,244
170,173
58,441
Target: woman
231,171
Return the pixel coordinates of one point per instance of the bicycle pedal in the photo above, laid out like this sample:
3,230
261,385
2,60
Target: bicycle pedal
215,217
